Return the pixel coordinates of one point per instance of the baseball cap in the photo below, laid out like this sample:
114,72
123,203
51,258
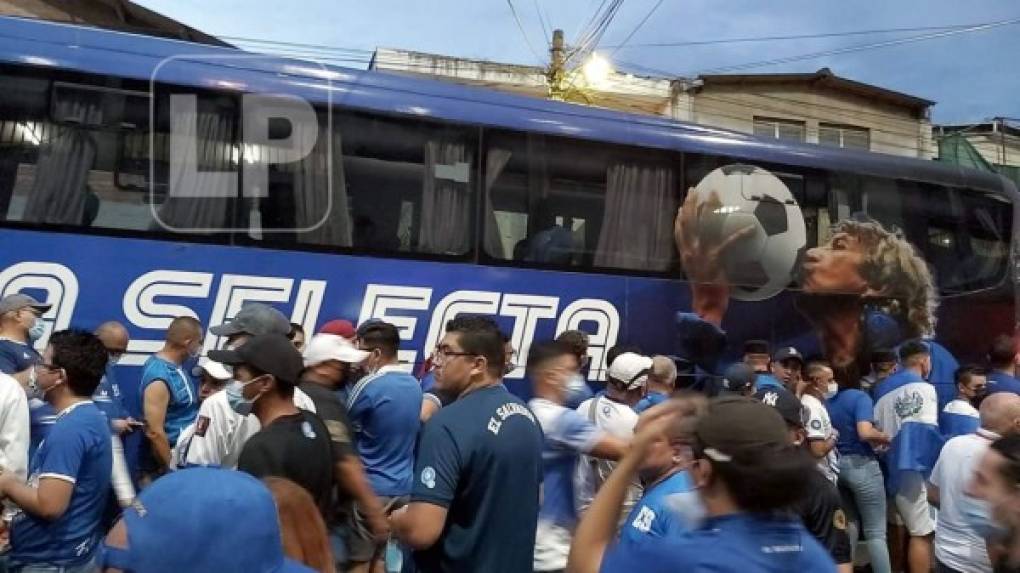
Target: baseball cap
324,347
789,407
738,377
631,370
270,353
756,347
254,318
202,520
212,368
788,353
883,355
735,425
18,301
339,327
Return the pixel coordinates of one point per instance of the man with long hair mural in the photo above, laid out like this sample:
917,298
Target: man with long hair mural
863,289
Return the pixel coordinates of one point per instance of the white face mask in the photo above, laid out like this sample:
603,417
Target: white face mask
831,390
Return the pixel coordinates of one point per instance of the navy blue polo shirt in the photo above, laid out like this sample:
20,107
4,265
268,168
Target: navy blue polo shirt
17,357
481,459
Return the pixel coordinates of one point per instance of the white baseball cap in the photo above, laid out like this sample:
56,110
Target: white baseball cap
214,369
631,370
325,347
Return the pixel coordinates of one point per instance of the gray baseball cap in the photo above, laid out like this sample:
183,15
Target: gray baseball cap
18,301
255,319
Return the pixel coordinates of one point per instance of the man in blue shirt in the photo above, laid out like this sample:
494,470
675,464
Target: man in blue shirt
169,400
745,470
384,409
69,476
567,434
21,324
479,464
960,416
661,383
108,396
1003,358
670,505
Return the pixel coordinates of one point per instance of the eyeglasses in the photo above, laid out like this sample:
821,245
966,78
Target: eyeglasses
444,352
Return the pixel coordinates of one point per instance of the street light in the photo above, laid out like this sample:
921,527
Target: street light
596,70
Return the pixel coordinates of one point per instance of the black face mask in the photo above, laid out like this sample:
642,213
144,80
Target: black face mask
978,398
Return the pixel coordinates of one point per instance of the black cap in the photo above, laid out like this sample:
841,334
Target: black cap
738,377
788,353
270,353
788,406
735,425
883,355
756,347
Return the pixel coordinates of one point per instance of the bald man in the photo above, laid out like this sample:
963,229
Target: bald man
958,547
110,401
661,383
169,399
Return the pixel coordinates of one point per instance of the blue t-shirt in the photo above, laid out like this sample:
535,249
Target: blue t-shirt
428,381
567,434
16,356
183,405
77,450
846,408
739,542
651,399
999,381
107,396
654,515
385,413
481,459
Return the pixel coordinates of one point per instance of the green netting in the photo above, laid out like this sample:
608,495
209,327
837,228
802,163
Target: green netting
954,148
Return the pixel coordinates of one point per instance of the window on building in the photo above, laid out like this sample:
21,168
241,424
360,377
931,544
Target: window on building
847,136
775,128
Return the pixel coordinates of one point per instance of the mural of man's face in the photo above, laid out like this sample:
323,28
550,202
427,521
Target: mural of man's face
835,267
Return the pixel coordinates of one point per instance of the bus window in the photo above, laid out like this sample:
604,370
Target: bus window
962,234
398,185
68,163
552,201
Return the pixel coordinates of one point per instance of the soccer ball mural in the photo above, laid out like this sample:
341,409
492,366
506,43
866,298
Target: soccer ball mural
760,264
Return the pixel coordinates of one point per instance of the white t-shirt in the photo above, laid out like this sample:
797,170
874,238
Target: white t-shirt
819,427
617,420
957,545
218,434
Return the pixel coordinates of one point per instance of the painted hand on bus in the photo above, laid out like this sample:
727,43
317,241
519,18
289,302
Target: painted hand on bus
701,253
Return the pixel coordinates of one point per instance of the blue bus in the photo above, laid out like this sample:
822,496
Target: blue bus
423,199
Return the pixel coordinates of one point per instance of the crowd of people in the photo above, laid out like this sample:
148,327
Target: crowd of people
287,451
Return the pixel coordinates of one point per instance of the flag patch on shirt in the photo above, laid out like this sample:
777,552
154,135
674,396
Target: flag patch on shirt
201,425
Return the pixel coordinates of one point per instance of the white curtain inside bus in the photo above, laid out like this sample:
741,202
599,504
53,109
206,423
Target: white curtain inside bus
320,195
446,199
59,191
495,162
637,222
209,138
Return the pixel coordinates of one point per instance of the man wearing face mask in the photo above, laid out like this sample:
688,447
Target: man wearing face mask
670,505
906,409
959,545
577,386
293,443
21,325
819,507
169,400
960,416
996,482
107,398
219,433
69,477
385,412
821,385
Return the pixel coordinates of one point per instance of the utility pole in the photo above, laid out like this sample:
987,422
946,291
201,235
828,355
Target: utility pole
556,74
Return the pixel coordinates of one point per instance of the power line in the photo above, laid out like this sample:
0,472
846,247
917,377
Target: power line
638,27
861,47
784,38
294,44
541,20
524,34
